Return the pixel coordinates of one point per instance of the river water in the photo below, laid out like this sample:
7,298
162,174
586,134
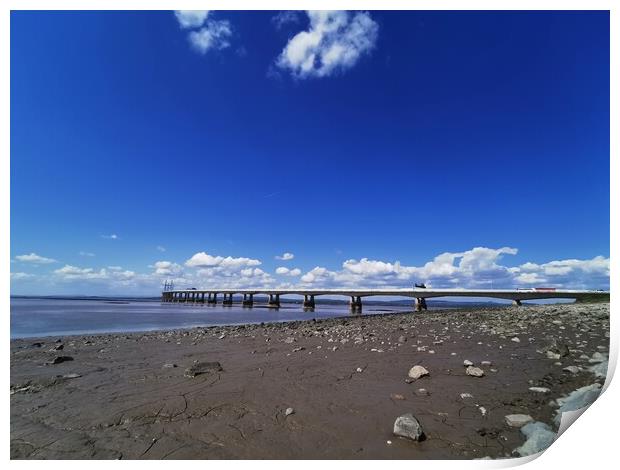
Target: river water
33,317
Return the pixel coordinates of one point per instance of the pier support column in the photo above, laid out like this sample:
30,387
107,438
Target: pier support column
228,299
202,297
274,300
213,297
185,296
420,304
356,304
308,301
248,300
516,303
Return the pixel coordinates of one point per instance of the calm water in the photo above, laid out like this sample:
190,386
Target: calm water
60,317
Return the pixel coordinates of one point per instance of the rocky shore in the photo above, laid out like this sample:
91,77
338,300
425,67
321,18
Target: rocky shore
453,384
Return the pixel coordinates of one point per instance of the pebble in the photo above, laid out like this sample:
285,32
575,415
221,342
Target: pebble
467,363
466,395
486,363
518,420
417,372
515,339
474,371
408,426
202,368
539,389
169,365
289,411
571,369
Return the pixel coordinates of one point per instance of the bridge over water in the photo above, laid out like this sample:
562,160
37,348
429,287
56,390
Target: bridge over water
210,296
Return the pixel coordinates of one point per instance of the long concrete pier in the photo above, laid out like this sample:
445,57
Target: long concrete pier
210,296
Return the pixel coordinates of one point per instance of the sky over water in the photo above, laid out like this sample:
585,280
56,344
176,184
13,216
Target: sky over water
461,149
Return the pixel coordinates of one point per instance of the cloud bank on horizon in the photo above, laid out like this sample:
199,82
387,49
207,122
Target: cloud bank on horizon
479,267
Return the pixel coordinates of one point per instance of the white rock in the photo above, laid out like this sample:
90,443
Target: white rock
571,369
467,363
474,371
552,355
408,426
289,411
466,395
597,357
486,363
539,437
540,389
515,339
417,371
518,420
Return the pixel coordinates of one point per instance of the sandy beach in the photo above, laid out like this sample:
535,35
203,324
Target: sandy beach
305,390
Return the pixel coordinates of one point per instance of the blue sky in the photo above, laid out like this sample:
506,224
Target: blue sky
464,149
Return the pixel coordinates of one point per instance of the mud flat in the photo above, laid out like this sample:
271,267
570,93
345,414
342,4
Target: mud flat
312,389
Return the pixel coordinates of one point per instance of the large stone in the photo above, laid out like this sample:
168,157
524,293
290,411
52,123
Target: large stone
203,368
539,437
516,421
60,359
417,371
408,426
474,371
467,363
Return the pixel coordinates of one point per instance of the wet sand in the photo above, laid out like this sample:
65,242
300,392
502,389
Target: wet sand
131,396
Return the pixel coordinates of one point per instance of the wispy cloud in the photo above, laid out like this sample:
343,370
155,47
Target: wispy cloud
334,42
160,248
33,258
205,33
20,276
286,17
285,256
112,236
86,253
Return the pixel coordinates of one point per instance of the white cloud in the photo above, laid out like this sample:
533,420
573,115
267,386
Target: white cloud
167,268
191,18
73,273
334,42
160,248
86,253
112,236
286,256
479,267
206,33
35,259
282,271
204,260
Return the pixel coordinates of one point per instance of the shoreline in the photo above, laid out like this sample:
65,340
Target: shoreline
128,395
